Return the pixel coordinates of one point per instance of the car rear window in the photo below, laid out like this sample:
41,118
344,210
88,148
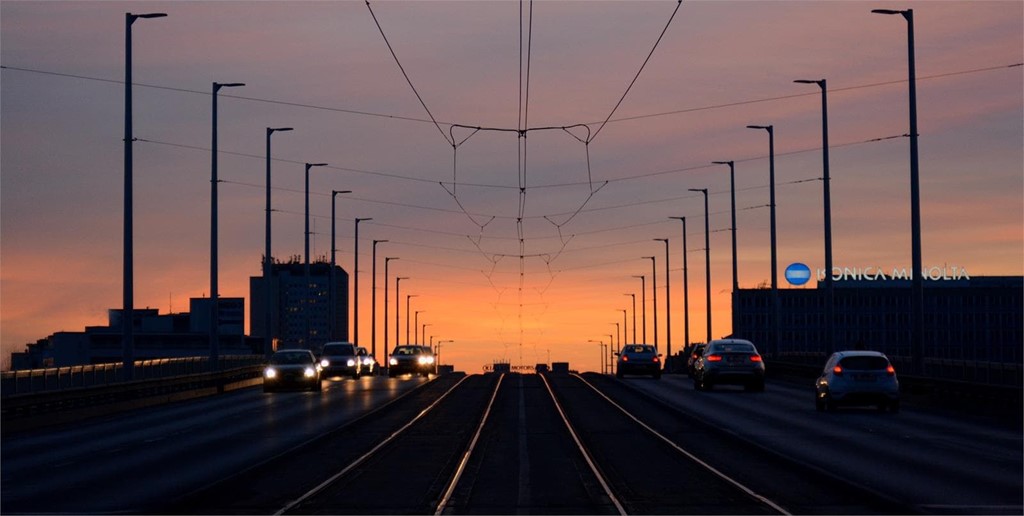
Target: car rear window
864,363
733,348
639,349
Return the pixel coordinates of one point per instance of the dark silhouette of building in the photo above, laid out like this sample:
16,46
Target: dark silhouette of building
156,336
300,313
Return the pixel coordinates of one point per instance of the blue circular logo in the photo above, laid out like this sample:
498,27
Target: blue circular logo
798,274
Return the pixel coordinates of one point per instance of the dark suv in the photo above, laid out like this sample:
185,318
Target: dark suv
339,358
411,359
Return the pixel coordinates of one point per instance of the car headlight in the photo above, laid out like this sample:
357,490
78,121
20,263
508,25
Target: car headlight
309,372
270,372
426,360
351,362
392,361
325,363
367,361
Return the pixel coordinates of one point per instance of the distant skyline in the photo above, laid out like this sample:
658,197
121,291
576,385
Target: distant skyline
589,212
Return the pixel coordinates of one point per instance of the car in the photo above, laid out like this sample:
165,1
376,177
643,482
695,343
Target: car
638,359
411,359
858,378
292,368
339,358
367,363
729,361
695,352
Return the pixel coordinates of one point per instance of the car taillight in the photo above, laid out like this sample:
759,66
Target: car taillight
891,370
755,358
714,358
625,358
837,369
656,359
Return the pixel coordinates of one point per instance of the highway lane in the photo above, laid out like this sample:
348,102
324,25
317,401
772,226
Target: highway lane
933,462
126,461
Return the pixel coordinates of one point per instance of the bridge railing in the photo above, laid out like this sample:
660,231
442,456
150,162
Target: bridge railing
61,378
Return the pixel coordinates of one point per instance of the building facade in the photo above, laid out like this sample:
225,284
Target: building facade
302,315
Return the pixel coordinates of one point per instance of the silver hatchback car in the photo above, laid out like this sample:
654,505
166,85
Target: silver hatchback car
858,378
729,361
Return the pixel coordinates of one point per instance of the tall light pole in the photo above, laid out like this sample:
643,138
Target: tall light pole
829,286
398,308
373,301
416,326
917,279
600,348
707,255
643,306
634,315
387,259
608,351
686,289
735,280
771,207
407,317
654,291
355,292
423,333
625,327
668,303
449,341
214,297
618,335
332,292
305,309
128,278
268,262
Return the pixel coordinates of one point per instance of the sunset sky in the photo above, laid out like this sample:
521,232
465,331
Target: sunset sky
324,69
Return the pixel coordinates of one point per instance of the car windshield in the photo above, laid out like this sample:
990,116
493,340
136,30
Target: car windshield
338,350
362,352
864,363
638,349
733,348
406,350
297,357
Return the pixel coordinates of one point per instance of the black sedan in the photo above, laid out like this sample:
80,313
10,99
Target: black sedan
292,368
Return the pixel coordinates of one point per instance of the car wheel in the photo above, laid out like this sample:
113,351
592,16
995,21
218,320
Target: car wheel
829,404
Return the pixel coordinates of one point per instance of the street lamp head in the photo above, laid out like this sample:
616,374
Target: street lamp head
641,276
766,127
219,85
887,11
646,257
336,192
279,129
389,258
702,190
730,163
375,242
678,218
310,165
149,15
358,220
401,277
661,240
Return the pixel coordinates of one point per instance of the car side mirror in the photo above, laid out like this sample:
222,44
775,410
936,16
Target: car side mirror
659,354
616,353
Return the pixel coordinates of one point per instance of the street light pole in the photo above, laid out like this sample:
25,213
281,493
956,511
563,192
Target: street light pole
387,259
686,289
407,317
306,310
735,280
827,206
600,349
355,294
654,291
373,301
332,294
707,255
128,270
771,207
214,297
268,262
668,303
423,333
416,326
634,315
643,306
917,279
625,327
398,307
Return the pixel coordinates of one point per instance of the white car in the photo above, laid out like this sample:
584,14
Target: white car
858,378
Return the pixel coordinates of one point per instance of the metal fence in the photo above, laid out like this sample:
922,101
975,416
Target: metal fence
62,378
